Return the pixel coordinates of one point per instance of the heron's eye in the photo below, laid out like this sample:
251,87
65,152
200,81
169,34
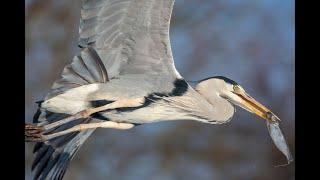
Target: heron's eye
236,88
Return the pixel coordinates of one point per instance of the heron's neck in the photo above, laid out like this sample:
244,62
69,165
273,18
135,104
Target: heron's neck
213,109
195,106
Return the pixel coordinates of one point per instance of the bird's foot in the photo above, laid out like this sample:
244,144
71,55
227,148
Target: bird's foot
34,133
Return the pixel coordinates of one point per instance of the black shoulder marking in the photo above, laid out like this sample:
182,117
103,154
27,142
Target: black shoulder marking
180,87
221,77
98,103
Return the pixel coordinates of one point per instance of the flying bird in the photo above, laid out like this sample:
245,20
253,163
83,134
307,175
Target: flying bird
124,76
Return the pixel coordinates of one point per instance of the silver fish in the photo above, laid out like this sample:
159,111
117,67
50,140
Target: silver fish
278,138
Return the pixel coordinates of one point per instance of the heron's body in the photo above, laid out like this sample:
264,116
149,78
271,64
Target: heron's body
161,106
168,104
124,75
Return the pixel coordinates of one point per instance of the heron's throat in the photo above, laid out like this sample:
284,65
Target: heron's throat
221,109
195,106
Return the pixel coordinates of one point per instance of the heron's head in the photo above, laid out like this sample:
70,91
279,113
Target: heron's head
219,89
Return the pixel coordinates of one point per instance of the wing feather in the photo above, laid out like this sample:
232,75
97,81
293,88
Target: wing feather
86,68
138,30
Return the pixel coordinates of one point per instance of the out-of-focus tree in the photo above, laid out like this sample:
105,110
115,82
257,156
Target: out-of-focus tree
251,42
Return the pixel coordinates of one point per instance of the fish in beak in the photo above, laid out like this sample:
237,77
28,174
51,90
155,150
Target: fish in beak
242,99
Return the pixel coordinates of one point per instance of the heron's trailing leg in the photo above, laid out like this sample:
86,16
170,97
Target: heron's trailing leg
86,113
37,133
82,127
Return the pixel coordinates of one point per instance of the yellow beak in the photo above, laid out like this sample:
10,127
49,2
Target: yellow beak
256,108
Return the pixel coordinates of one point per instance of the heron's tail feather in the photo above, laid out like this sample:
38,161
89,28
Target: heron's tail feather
51,161
33,133
52,156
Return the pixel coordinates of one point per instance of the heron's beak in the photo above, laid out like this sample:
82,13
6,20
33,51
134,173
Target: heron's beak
255,107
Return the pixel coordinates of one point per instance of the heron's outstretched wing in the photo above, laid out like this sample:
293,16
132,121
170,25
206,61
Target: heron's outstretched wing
130,36
119,38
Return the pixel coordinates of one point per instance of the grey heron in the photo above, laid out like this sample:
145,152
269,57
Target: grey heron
123,76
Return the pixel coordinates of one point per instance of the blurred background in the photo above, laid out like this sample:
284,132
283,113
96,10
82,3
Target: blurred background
251,42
